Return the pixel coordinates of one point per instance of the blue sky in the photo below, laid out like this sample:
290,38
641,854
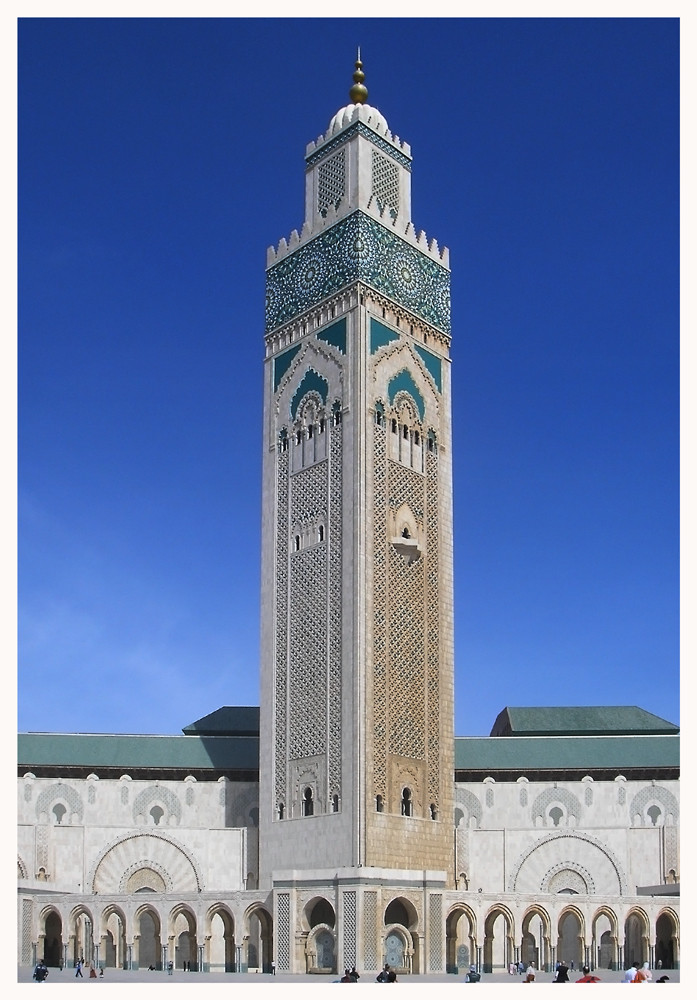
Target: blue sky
158,158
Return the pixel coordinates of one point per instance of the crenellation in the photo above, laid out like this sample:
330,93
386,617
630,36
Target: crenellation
371,208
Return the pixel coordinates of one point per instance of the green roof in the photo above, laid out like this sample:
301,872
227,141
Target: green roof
581,720
101,750
556,753
232,720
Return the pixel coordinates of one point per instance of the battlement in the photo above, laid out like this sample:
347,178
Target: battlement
383,215
359,113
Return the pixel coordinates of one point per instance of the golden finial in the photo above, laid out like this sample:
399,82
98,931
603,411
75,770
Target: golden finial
358,93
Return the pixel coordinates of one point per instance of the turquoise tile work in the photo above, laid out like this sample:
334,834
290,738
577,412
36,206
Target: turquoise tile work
358,248
311,380
281,364
404,382
380,335
433,365
335,335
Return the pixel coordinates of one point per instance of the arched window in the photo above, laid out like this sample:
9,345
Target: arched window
280,810
157,812
555,814
405,432
309,433
321,425
298,437
296,543
308,804
321,532
416,437
59,812
284,439
653,813
335,803
394,426
336,413
379,804
407,804
432,808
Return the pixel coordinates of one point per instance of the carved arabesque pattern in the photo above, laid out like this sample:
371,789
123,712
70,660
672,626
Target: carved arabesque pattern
335,544
380,613
349,928
283,936
385,181
370,929
331,182
406,636
281,626
433,627
308,621
435,912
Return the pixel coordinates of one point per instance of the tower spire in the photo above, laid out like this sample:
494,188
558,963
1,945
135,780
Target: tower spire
358,92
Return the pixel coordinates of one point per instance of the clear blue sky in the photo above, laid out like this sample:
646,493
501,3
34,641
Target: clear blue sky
158,158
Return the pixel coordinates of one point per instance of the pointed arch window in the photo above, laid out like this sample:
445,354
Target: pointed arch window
407,804
308,804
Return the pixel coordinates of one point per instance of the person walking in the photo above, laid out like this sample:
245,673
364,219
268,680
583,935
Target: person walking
562,975
587,977
643,974
78,969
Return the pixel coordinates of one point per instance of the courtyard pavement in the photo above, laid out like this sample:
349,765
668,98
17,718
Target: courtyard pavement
244,982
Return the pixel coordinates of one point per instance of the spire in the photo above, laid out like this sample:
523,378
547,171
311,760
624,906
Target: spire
358,92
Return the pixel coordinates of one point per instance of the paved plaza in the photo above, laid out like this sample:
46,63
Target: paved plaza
246,981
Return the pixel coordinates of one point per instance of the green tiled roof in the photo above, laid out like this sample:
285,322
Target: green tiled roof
232,720
588,720
100,750
557,753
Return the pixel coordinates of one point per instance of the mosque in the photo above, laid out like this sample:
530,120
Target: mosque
343,823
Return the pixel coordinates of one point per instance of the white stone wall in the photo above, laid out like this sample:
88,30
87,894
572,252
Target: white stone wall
523,836
107,830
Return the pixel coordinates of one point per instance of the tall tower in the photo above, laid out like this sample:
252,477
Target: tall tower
357,623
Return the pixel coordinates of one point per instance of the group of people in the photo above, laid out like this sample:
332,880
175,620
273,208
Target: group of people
350,976
634,974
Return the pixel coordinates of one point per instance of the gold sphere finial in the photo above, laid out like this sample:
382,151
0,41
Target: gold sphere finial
358,92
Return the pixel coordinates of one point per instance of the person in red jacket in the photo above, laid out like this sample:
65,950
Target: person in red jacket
587,977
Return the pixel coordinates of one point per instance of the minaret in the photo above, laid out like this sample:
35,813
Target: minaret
357,621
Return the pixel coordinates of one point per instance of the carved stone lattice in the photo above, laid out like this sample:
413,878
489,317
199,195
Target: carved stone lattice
568,878
281,626
331,182
406,636
370,929
335,608
552,796
652,794
308,621
380,614
435,912
283,935
433,628
41,847
349,927
59,792
385,181
27,915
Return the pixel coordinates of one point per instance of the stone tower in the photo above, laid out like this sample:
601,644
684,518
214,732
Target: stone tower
357,625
